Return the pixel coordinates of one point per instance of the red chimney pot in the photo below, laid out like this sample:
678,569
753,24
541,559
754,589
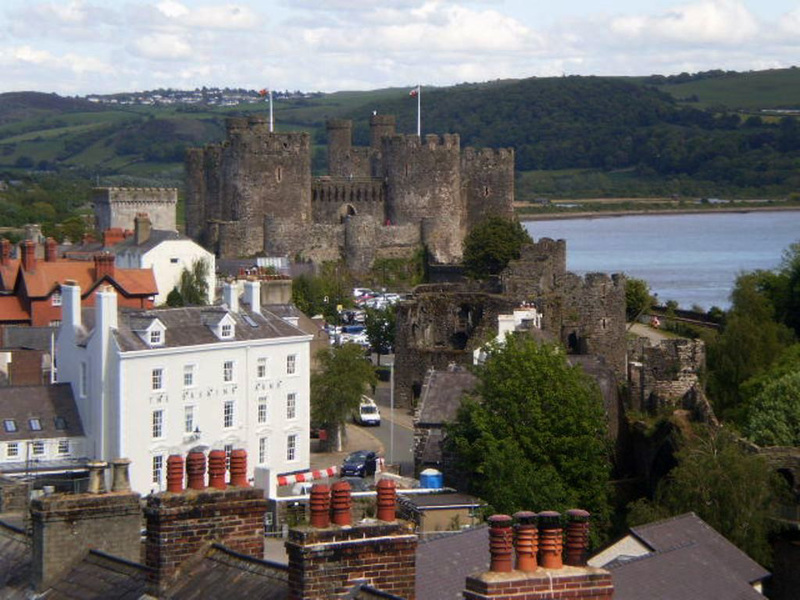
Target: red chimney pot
526,541
341,502
387,500
239,467
28,251
103,265
175,473
216,469
550,542
320,506
500,543
577,537
50,250
196,470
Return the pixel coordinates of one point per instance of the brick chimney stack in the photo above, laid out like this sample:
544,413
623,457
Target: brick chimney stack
551,579
180,524
103,265
327,558
66,526
141,228
50,250
28,251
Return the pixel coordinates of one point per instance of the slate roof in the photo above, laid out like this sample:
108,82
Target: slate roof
690,561
155,238
100,575
223,573
188,326
444,562
45,402
28,338
442,394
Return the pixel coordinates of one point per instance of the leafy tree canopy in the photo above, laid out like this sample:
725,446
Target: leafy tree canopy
729,488
774,418
193,285
381,326
336,388
322,293
491,244
535,436
637,297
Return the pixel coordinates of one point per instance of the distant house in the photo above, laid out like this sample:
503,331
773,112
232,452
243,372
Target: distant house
40,430
150,382
681,558
30,288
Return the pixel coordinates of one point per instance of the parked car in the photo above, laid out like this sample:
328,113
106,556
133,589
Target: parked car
359,464
367,412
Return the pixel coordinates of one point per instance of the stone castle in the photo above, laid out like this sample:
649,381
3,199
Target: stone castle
254,193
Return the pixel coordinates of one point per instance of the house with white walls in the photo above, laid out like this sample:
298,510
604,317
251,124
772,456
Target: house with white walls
165,251
150,383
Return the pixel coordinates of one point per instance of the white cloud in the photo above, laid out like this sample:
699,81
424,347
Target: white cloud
162,46
211,17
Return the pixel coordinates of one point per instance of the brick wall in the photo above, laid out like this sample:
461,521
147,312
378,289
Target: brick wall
567,583
66,526
325,563
178,525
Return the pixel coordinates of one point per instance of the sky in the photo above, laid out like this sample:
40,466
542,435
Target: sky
79,47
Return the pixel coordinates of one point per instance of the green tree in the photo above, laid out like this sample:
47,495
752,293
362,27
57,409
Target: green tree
381,326
774,417
535,435
174,298
336,388
732,490
637,297
193,285
491,244
324,292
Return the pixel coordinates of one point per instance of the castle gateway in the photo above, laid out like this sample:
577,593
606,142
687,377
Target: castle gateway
254,193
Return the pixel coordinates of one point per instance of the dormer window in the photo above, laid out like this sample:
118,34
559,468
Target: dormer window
156,337
226,331
56,298
151,331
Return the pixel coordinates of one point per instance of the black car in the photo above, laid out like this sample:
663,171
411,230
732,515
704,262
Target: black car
359,464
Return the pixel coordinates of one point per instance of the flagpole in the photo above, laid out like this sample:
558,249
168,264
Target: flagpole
419,112
270,111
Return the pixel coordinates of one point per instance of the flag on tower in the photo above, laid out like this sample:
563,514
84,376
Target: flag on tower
414,93
263,92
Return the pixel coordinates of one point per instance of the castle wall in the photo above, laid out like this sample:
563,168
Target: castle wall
317,242
488,179
661,375
541,267
117,207
332,199
424,181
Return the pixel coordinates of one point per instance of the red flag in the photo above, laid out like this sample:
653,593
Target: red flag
263,92
413,93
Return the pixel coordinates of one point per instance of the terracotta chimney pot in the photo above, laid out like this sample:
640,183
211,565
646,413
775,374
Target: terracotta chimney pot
175,474
577,537
5,251
500,547
320,506
196,470
239,467
50,250
550,542
387,500
120,477
526,542
216,469
28,251
341,503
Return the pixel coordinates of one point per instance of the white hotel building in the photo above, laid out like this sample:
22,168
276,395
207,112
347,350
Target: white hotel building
150,383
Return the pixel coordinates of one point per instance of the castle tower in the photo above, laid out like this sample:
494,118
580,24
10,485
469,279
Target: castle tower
488,179
424,181
381,126
340,142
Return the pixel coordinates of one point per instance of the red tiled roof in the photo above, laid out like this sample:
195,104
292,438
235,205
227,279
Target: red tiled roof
40,282
8,274
13,309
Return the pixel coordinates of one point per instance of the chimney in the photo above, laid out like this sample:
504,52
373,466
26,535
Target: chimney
113,236
327,558
121,480
5,251
103,265
252,295
141,228
66,526
577,537
551,579
97,476
239,467
175,474
196,470
216,469
180,524
230,296
70,304
50,250
105,308
387,500
28,251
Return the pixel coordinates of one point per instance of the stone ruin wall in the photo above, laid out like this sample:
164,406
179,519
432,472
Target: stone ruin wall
333,199
117,207
541,268
662,375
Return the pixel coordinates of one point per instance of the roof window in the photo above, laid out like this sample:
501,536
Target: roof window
60,423
35,424
10,425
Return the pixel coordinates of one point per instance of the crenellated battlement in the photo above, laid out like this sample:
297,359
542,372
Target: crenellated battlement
432,141
359,189
488,155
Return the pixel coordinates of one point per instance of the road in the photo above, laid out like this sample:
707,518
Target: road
399,438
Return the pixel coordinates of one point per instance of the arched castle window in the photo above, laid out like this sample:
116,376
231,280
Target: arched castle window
278,174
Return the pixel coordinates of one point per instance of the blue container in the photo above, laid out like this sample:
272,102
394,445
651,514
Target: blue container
431,479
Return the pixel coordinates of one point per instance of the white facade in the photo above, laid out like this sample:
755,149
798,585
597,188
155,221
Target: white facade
168,259
144,397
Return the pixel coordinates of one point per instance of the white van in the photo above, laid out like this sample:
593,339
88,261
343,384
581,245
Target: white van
367,413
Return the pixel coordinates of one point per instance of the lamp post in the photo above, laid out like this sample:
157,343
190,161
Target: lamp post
391,410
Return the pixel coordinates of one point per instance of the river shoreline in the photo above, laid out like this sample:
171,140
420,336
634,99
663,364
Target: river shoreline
656,212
